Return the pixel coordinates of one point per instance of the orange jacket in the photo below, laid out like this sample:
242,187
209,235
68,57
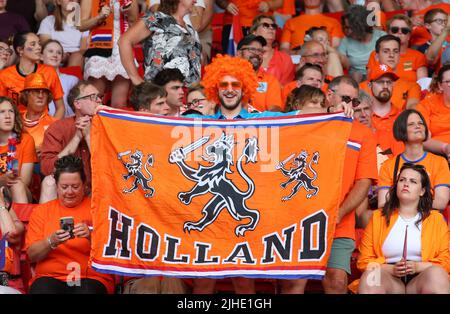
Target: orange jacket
434,240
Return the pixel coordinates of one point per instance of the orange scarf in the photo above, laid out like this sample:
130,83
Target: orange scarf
101,38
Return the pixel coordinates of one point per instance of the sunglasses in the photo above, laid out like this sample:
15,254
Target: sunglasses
268,25
347,99
396,30
234,85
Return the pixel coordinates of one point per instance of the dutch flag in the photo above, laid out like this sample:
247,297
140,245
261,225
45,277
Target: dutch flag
235,36
2,252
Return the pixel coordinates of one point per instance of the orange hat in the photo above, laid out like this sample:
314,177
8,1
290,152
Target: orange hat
35,81
380,71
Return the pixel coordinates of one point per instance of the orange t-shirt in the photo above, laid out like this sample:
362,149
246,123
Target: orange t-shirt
407,66
37,131
385,140
288,7
437,116
384,131
281,67
436,167
360,163
44,221
268,93
402,92
295,28
12,82
248,10
25,153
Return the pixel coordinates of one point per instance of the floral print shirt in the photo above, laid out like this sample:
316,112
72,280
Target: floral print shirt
171,46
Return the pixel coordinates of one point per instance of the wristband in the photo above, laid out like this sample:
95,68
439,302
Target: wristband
444,148
51,244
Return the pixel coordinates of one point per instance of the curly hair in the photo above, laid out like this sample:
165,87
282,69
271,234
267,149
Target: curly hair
18,125
223,65
356,15
69,164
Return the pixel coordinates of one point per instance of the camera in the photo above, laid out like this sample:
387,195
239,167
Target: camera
67,224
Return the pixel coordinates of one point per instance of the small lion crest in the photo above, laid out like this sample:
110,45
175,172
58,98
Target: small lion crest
135,168
297,174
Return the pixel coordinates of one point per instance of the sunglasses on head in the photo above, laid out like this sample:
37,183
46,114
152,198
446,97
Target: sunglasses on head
396,30
347,99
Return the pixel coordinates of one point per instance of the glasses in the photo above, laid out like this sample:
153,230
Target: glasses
440,21
91,97
195,102
403,30
317,55
384,82
253,50
7,51
234,85
347,99
269,25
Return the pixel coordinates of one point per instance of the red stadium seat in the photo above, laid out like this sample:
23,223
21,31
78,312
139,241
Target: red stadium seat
217,25
74,70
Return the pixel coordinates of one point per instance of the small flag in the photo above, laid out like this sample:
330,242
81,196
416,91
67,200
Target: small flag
2,252
235,36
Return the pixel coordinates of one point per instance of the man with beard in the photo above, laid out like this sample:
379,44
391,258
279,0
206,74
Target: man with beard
268,92
172,80
381,84
405,94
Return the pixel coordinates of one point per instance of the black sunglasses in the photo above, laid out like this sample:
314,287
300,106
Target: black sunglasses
355,101
268,25
404,30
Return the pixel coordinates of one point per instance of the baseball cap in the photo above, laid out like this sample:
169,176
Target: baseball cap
247,40
382,70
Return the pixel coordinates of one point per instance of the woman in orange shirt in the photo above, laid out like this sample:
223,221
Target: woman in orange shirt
404,248
61,247
28,48
17,153
435,108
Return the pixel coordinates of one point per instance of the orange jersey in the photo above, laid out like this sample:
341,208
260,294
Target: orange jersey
281,67
248,10
295,28
385,125
12,82
436,167
268,93
25,153
385,140
402,92
407,66
44,221
37,131
288,7
360,163
437,116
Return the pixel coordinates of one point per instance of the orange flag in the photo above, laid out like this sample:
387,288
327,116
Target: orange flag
215,198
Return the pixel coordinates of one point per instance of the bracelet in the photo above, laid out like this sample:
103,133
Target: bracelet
444,148
51,244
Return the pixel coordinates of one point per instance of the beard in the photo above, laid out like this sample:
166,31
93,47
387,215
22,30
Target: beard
229,106
256,62
384,96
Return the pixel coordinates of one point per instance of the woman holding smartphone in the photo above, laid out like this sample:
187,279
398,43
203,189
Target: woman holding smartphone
62,256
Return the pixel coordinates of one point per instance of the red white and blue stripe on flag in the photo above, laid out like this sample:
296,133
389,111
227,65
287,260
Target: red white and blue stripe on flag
235,36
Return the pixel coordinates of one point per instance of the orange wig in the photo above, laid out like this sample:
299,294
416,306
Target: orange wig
223,65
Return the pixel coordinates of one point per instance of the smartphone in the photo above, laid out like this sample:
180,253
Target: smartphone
15,167
67,224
